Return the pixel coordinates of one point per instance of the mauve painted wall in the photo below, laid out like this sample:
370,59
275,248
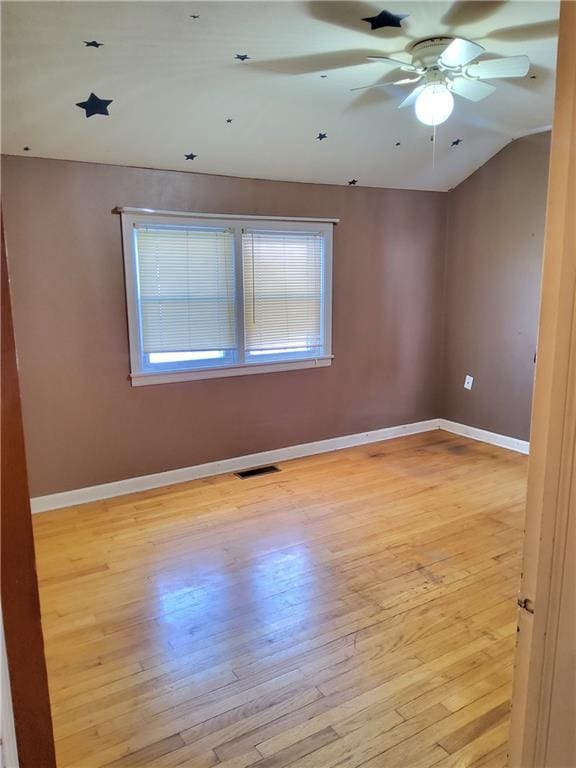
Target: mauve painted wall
86,425
495,240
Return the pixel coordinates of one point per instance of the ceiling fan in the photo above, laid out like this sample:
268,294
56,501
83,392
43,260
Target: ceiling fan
445,66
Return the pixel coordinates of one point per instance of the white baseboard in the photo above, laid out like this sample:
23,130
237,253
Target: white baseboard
173,476
502,441
145,482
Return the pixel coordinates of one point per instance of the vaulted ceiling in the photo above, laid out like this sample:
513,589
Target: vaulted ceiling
180,93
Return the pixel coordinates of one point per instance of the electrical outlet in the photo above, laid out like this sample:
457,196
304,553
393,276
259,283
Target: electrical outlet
468,381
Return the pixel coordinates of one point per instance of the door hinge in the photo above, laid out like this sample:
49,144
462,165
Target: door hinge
526,604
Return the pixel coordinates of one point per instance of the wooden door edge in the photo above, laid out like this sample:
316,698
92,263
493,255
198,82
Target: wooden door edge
551,492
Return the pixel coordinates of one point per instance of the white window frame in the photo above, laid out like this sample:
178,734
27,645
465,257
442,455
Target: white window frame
138,216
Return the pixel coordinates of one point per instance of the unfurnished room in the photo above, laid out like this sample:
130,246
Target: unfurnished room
288,400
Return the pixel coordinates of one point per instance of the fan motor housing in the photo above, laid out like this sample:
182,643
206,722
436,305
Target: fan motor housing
426,52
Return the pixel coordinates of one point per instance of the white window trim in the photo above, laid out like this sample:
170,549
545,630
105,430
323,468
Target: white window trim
132,216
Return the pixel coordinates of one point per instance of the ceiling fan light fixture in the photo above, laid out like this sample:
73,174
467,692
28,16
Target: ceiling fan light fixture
434,104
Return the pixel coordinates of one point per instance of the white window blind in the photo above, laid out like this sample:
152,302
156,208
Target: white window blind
186,289
283,291
219,296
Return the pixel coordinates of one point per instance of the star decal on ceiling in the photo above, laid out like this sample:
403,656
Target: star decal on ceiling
229,119
92,44
456,142
94,106
191,156
352,182
194,15
323,76
321,136
386,19
398,143
242,56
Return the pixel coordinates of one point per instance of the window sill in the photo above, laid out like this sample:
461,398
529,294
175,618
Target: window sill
166,377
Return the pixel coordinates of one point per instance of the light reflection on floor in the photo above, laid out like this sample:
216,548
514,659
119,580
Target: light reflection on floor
187,605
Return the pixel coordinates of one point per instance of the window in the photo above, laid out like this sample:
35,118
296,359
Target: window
221,296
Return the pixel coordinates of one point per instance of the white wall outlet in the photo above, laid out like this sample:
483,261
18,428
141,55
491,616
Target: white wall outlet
468,381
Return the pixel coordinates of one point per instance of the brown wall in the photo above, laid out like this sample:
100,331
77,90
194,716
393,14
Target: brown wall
494,253
417,305
86,425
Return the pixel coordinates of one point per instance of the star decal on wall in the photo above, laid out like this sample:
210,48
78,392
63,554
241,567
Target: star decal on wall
321,136
229,119
94,106
352,182
194,15
191,156
26,149
92,44
456,143
242,56
386,19
323,76
398,143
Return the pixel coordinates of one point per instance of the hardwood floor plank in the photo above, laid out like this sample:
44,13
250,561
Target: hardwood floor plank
486,751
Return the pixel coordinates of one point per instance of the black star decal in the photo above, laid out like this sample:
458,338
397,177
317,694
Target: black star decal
386,19
323,76
26,149
191,156
229,119
397,143
322,136
94,106
195,16
92,44
352,182
242,56
456,142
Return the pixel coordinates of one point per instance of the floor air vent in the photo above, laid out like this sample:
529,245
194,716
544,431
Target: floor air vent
255,472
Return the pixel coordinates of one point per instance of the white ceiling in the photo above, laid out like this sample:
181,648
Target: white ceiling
174,81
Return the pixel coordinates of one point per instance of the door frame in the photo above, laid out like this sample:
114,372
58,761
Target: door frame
20,603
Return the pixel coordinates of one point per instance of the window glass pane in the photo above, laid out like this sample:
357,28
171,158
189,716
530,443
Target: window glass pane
283,293
161,358
186,290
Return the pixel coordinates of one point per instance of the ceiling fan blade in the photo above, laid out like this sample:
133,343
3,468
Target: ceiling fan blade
395,62
405,81
315,62
470,11
346,14
460,52
509,66
411,99
473,90
523,32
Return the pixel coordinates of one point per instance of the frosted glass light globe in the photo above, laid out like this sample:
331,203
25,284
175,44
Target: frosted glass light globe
434,105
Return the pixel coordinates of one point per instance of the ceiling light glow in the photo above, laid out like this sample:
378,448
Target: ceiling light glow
434,105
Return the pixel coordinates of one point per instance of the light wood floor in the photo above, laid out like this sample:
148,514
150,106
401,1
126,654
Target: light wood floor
356,609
